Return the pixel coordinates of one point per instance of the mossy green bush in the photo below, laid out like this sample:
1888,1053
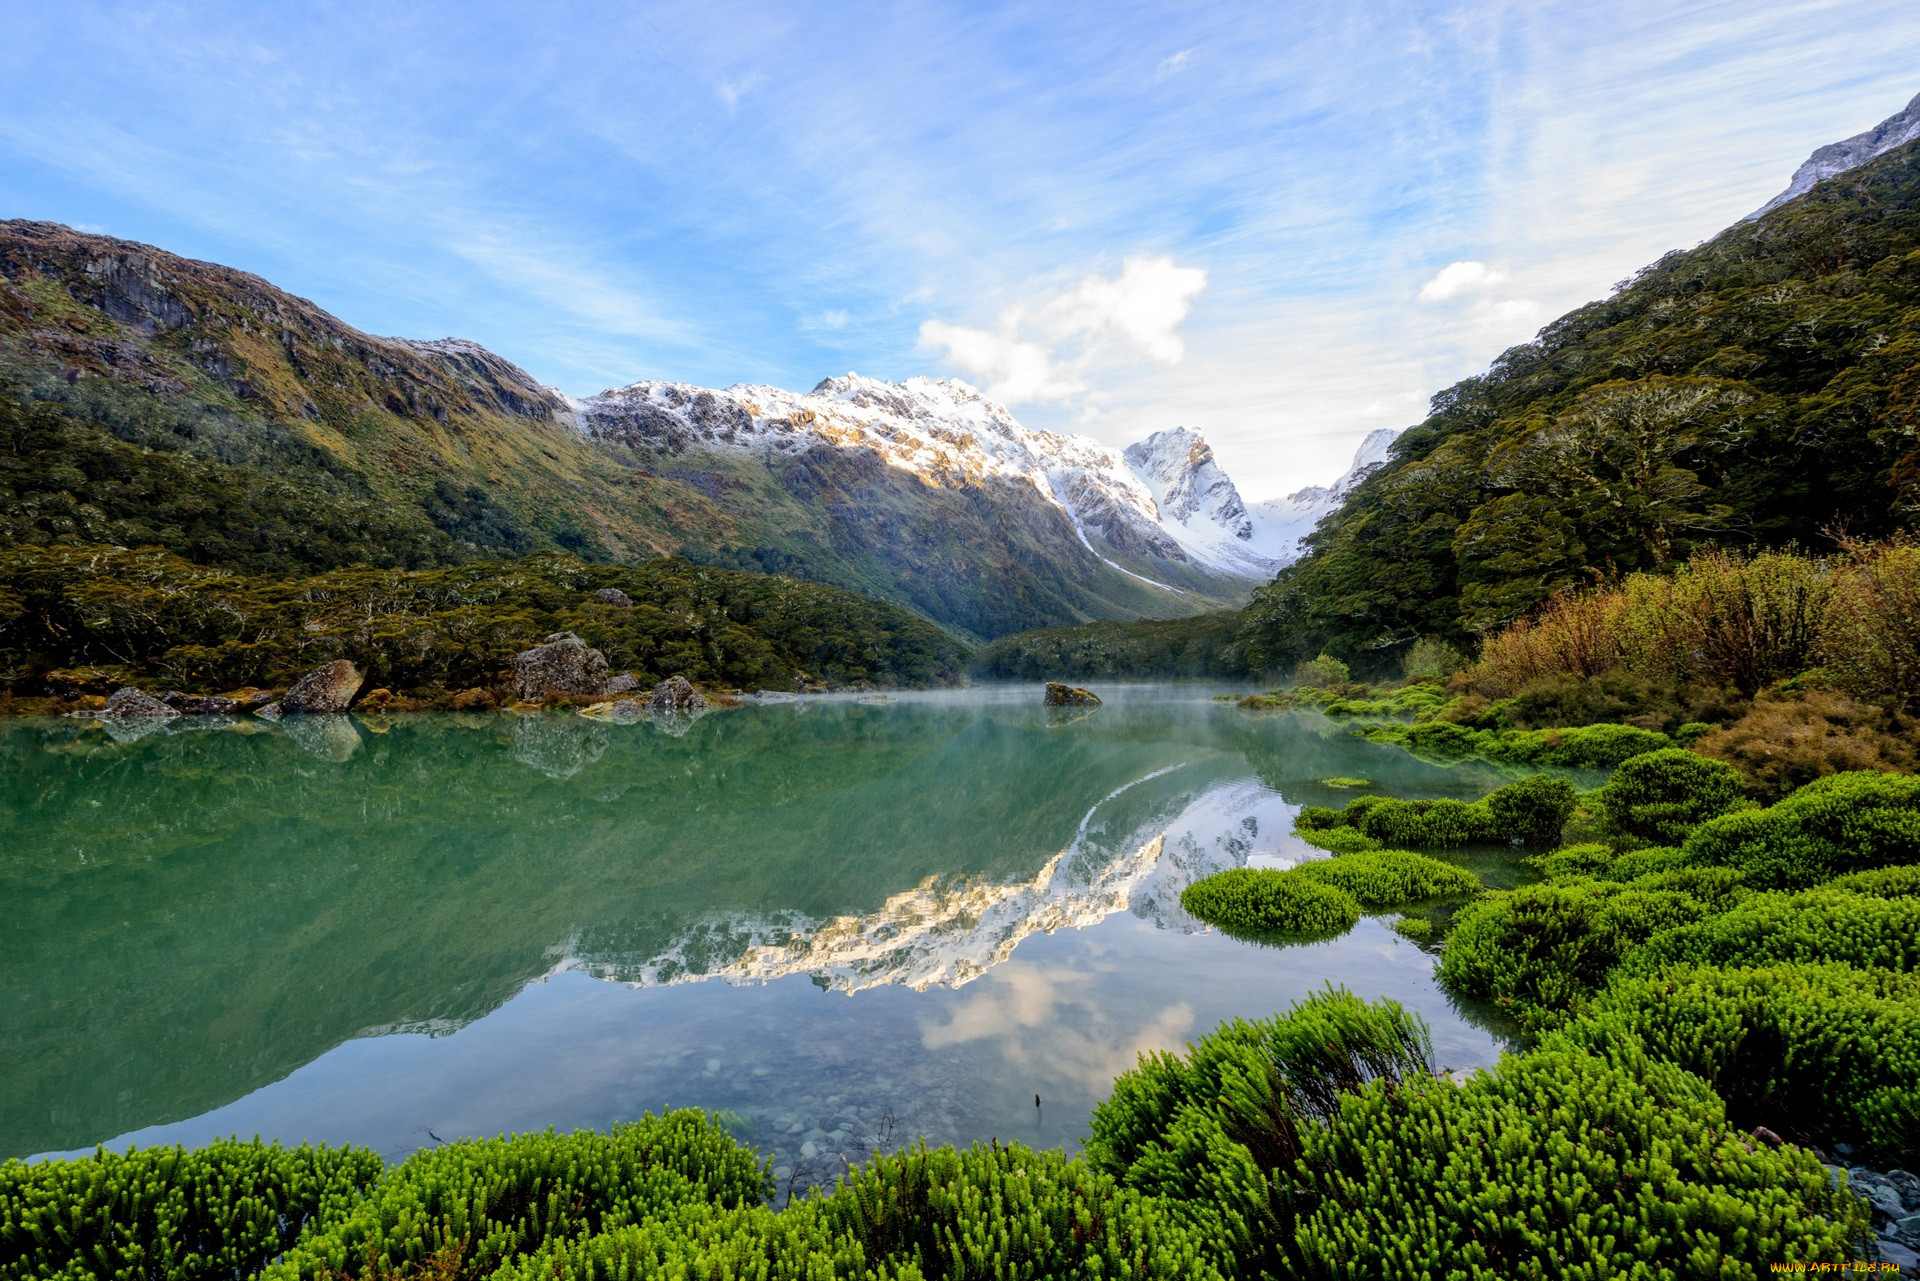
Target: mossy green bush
486,1202
1267,901
1575,861
1580,747
1389,878
1812,926
1434,824
1835,825
1661,796
1339,840
1542,951
1560,1163
1610,1165
221,1211
1533,810
1818,1053
1885,882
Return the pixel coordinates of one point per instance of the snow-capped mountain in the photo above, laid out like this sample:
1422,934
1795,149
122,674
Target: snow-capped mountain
1283,522
1162,500
1848,153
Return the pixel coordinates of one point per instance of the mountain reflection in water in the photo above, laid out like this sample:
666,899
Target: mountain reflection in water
233,927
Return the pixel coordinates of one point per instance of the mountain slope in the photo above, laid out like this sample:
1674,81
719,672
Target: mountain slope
151,399
1849,153
1759,390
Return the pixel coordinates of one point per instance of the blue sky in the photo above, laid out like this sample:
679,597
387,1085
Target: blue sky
1118,217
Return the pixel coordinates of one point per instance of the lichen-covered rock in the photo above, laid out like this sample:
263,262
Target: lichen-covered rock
1059,695
564,667
131,704
326,689
677,695
624,683
615,597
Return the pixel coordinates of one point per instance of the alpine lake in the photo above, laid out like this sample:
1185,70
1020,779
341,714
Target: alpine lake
841,923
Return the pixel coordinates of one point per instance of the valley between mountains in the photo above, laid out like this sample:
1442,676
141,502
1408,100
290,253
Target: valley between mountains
189,383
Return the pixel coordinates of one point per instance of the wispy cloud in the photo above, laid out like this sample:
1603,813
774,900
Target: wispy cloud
1046,349
1174,65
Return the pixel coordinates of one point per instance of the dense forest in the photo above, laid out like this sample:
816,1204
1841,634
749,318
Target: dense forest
78,620
1760,390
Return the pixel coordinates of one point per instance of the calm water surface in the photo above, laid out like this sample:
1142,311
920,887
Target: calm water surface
846,923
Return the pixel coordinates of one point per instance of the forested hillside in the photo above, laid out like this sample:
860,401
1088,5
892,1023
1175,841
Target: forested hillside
1758,391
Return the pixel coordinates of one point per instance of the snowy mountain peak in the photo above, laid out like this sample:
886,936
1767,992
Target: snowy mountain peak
1164,501
1848,153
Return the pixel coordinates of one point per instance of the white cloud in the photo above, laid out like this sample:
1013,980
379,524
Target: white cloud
1047,349
835,319
1012,372
731,91
1459,278
1509,319
1173,66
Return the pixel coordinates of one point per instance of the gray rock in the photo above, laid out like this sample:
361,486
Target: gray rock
676,694
615,597
132,704
624,683
564,667
1059,695
325,690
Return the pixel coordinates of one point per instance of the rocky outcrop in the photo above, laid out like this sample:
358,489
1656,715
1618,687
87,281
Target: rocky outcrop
624,683
677,696
132,704
564,667
326,689
1848,153
615,597
1059,695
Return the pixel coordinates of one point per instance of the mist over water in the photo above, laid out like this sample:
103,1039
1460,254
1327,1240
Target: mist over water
847,923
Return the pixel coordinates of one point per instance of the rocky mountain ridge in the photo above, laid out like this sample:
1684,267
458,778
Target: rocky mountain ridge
1849,153
197,407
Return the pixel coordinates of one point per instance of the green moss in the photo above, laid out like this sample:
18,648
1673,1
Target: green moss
1389,878
1265,901
1843,823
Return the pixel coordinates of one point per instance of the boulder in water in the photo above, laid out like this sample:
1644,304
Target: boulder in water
326,689
132,704
676,695
200,704
564,667
1059,695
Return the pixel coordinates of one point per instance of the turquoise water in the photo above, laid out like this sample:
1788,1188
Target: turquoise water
849,923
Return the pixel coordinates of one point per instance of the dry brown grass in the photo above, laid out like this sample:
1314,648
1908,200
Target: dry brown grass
1790,739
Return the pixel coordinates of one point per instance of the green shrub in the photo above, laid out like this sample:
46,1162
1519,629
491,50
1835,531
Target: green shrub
221,1211
1842,823
1635,864
1316,818
1585,747
1575,861
1819,1053
1542,951
1222,1126
486,1202
1434,824
1388,878
1322,673
1534,810
1431,660
1814,926
1660,796
1561,1163
1340,840
1885,882
1266,901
